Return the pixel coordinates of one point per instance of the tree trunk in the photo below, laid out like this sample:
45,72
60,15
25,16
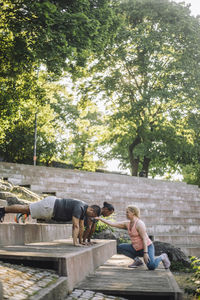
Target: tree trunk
145,166
135,166
134,161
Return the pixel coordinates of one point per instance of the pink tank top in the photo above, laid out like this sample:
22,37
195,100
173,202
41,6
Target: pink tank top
136,239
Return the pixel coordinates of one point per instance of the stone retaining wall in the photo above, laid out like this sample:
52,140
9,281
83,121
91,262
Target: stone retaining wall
171,210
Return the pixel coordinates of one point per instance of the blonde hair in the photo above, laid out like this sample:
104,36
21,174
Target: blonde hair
135,210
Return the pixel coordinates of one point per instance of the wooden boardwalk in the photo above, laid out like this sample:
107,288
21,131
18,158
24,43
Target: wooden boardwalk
115,278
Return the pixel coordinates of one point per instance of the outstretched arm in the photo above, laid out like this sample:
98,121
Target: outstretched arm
121,225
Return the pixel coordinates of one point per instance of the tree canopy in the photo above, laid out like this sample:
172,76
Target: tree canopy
138,58
151,82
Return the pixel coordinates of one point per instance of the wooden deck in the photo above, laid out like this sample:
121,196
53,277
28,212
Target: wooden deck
115,278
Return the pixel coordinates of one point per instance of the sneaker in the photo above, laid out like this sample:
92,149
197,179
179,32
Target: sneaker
2,214
21,216
165,260
137,263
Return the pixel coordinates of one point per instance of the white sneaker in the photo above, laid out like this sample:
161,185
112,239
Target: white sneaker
165,260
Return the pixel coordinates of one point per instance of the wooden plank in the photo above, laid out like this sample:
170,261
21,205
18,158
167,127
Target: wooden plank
115,278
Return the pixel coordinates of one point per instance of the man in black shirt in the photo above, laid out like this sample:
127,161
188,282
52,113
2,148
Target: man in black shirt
61,210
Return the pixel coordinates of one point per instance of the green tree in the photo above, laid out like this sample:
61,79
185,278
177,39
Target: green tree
81,124
34,95
191,169
151,83
57,34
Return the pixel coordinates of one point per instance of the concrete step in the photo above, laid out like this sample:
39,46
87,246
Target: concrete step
115,278
169,212
174,239
20,234
165,205
170,220
60,255
178,229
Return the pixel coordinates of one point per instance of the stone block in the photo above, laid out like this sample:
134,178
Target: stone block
3,202
1,291
21,234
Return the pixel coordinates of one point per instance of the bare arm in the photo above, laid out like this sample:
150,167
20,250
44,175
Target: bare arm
91,231
81,229
75,230
121,225
87,230
143,234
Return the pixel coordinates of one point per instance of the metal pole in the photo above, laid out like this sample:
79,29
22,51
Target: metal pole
35,135
35,141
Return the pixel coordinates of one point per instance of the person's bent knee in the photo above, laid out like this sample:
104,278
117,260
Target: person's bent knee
120,248
151,266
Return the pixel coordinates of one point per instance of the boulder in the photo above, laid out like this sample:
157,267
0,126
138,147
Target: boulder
27,194
175,254
107,234
10,198
5,186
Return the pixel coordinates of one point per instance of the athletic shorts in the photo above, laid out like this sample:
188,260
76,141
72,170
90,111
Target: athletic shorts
43,209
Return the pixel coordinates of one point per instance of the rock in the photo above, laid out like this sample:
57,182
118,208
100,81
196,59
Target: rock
16,194
107,234
175,254
5,186
10,198
25,193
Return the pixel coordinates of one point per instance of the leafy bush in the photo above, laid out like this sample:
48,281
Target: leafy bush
196,275
101,227
180,267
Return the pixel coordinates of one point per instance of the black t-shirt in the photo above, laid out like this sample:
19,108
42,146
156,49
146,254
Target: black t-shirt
65,209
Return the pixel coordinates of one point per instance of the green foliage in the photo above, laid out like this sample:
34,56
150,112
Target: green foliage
191,174
51,32
180,267
18,121
122,240
101,227
196,275
57,35
150,86
188,278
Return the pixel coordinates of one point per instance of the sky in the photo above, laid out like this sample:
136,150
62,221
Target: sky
113,165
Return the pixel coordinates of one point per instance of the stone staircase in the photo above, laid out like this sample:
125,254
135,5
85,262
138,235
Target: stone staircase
171,210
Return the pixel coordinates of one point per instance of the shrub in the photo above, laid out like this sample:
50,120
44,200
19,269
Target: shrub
196,275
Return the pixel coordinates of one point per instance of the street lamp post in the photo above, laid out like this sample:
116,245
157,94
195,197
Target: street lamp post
35,141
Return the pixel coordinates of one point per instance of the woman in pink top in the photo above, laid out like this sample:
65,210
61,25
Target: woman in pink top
141,245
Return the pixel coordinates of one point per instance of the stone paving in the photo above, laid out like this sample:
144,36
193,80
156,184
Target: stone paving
90,295
21,282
